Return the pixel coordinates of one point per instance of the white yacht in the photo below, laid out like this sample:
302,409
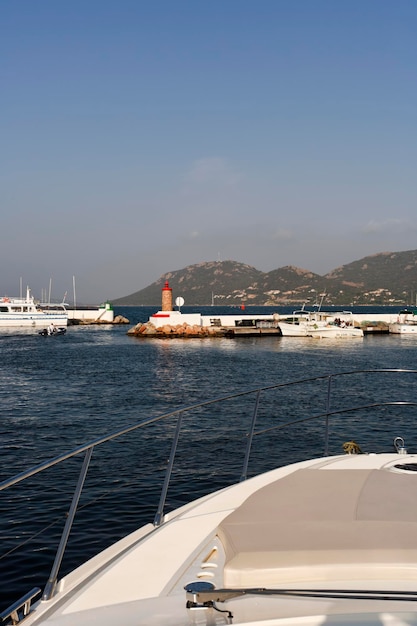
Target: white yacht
24,312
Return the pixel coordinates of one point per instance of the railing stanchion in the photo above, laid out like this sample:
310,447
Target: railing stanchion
51,584
160,512
326,434
250,438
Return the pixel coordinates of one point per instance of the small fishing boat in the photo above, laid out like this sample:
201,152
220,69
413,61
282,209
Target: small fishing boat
320,324
331,539
24,313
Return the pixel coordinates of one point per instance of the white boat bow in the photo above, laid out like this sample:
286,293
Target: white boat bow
324,541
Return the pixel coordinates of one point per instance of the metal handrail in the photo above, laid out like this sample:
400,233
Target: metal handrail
118,433
21,608
88,448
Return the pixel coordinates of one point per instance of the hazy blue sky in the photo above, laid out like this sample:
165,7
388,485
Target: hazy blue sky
139,137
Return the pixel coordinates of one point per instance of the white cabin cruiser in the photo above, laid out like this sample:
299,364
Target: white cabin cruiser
404,324
24,313
325,541
320,324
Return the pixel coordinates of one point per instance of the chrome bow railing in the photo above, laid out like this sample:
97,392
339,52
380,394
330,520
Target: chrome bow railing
327,411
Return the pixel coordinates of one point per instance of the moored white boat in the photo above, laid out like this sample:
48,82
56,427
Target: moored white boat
24,312
102,314
405,323
320,324
328,540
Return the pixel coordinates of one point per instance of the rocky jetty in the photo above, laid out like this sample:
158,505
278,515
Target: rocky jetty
120,319
185,331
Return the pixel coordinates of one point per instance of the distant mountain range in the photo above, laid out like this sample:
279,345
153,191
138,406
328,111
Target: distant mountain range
383,278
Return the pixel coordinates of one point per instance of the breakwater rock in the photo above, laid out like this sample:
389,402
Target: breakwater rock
120,319
185,331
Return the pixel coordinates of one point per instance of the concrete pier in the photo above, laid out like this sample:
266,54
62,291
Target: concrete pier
170,323
175,324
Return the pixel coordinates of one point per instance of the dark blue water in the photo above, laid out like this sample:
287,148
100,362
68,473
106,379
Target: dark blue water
58,392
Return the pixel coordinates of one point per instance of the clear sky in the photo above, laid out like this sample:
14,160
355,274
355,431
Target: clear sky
141,136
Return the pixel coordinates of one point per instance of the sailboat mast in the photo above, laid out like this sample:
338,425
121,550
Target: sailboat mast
73,288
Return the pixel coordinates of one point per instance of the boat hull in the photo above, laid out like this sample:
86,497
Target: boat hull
292,330
334,332
403,329
319,330
32,321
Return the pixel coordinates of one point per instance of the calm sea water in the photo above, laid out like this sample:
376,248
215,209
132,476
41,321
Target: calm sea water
56,393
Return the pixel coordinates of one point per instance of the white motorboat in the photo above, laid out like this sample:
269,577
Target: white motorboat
324,541
295,324
404,324
335,325
24,313
320,324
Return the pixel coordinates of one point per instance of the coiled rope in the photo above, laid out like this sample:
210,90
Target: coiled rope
351,447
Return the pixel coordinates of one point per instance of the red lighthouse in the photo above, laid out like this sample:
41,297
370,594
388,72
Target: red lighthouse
166,297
